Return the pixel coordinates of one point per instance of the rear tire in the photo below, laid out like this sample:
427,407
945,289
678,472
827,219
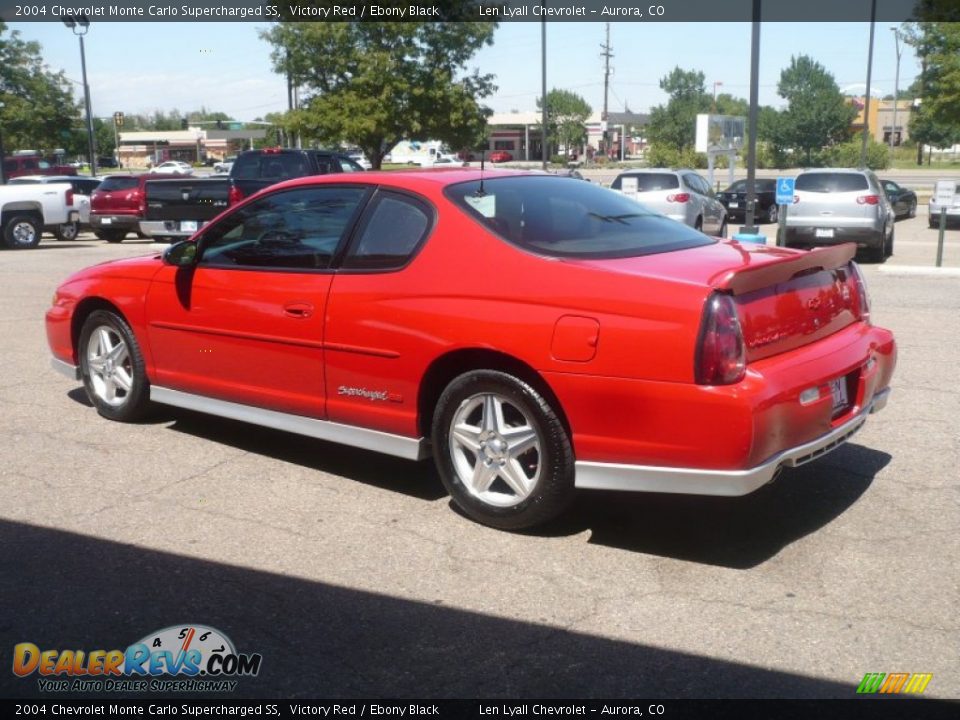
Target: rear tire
502,452
698,224
67,231
912,212
113,236
888,246
723,229
22,232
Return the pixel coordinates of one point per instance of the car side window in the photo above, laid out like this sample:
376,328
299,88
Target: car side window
347,165
693,182
289,230
395,227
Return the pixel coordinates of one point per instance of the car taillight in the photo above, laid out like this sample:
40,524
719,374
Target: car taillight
234,195
271,150
69,197
721,355
678,197
140,198
868,200
863,297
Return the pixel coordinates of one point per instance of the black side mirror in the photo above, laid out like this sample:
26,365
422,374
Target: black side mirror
181,254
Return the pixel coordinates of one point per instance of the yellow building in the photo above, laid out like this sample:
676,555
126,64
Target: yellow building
882,119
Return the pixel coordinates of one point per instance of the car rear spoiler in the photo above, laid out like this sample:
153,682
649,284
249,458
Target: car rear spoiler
783,268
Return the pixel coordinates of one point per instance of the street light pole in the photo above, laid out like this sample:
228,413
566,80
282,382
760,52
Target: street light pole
896,89
79,24
866,106
3,174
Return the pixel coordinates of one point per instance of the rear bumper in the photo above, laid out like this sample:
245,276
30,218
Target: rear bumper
694,481
114,222
168,228
862,236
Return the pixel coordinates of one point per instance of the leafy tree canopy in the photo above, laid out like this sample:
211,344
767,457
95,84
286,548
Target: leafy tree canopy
374,84
675,124
937,120
38,111
567,114
817,114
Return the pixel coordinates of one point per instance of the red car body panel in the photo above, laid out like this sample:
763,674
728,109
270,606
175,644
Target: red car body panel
615,341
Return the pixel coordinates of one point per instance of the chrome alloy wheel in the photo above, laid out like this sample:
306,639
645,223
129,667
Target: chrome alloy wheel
495,450
24,233
110,365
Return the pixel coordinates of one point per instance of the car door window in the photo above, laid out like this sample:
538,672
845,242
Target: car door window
395,227
291,230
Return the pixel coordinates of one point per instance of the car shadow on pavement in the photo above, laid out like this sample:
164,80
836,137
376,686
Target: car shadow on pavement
416,479
734,532
66,245
61,590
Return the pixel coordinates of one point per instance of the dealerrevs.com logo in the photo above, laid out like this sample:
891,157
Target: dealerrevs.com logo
184,658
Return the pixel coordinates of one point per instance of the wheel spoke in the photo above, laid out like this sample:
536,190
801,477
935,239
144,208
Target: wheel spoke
468,436
520,440
483,477
492,413
104,346
513,475
122,380
109,390
119,353
96,364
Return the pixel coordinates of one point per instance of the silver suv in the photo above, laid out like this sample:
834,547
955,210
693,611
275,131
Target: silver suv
833,206
681,195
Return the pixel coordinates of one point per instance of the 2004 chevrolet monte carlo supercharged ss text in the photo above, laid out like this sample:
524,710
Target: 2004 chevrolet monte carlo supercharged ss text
536,334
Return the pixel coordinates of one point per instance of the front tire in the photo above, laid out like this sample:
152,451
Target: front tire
112,368
22,232
502,452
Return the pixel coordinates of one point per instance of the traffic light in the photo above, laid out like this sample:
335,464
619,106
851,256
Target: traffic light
118,119
183,124
219,124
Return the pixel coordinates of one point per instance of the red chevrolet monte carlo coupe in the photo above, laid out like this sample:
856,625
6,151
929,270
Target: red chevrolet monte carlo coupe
535,334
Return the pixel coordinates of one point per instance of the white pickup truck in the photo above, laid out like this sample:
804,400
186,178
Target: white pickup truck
25,210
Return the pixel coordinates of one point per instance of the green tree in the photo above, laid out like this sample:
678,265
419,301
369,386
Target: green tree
817,114
727,104
38,110
567,114
374,84
936,121
675,124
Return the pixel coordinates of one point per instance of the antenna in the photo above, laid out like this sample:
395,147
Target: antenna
480,191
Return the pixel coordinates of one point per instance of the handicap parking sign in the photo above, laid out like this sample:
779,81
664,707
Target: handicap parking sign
785,187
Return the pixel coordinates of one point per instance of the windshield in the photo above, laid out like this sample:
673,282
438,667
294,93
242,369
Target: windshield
564,217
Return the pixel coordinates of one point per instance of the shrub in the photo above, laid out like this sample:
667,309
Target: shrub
848,155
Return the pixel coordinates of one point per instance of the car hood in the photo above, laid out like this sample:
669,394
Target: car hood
136,268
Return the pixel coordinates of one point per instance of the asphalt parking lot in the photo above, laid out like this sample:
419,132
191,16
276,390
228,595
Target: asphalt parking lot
352,576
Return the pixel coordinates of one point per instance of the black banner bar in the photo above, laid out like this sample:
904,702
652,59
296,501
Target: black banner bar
473,10
882,709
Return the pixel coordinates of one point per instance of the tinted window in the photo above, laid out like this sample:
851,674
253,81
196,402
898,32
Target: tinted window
649,182
271,166
112,184
295,229
760,186
348,165
395,227
825,182
696,183
563,217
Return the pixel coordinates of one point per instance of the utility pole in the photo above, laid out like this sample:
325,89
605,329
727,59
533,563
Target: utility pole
606,54
543,90
896,94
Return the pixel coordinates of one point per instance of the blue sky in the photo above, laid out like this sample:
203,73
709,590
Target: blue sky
137,67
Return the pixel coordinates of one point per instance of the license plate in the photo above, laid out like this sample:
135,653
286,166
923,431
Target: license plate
824,232
734,205
838,388
188,225
106,221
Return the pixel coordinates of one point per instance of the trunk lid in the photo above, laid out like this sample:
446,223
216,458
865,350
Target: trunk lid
785,298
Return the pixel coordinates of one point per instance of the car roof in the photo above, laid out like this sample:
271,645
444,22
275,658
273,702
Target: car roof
432,177
838,171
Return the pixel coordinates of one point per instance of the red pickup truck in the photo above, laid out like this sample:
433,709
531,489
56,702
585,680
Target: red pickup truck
18,165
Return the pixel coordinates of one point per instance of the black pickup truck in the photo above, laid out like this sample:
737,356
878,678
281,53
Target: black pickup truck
176,209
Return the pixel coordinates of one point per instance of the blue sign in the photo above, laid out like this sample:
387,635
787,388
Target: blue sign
785,187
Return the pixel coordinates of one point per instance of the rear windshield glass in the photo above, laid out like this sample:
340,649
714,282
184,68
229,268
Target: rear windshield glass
564,217
832,182
118,183
270,166
760,186
649,182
